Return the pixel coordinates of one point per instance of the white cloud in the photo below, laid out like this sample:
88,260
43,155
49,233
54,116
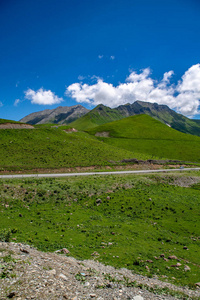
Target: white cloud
80,77
190,80
112,57
17,101
42,97
133,77
167,76
183,97
1,104
100,56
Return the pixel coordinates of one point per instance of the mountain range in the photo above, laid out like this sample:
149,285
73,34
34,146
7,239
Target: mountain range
83,119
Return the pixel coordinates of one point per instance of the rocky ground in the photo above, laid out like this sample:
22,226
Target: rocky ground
26,273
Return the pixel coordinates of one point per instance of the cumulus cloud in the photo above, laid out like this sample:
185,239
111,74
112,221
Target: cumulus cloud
112,57
100,56
184,97
1,104
42,97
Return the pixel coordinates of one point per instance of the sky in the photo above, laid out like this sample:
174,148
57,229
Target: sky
63,53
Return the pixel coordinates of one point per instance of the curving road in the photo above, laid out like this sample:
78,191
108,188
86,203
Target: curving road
97,173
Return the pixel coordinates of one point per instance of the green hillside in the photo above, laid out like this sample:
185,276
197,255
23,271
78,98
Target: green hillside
103,114
22,149
143,134
99,115
3,121
162,113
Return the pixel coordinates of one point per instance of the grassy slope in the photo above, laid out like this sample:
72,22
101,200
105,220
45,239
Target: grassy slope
167,116
3,121
102,115
99,115
196,121
53,148
143,134
141,217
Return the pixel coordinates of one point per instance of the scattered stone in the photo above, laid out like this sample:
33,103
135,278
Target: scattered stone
162,255
176,265
20,215
87,284
165,259
95,253
113,233
172,257
98,201
138,297
11,295
187,268
108,197
24,250
185,248
197,284
149,261
150,199
147,268
63,250
63,277
52,272
109,285
92,295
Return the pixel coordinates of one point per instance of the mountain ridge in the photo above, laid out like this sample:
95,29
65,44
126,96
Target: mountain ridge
59,115
84,119
159,112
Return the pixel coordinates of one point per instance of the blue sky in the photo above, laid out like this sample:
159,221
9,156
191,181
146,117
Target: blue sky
89,52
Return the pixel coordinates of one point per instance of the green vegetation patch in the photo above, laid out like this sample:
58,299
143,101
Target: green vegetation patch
143,134
54,148
136,222
4,121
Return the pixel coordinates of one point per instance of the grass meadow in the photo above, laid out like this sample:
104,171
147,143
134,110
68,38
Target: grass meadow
145,135
43,147
127,221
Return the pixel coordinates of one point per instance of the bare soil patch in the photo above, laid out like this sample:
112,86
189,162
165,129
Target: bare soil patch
103,134
15,126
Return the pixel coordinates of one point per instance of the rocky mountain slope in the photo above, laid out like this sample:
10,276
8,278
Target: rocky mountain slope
59,115
30,274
